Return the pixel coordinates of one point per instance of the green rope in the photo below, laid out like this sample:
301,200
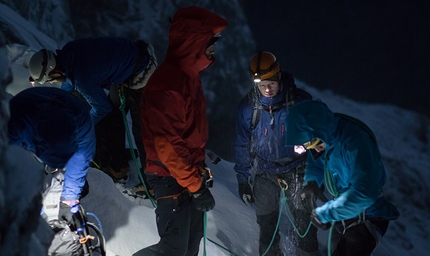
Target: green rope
276,230
282,206
283,201
330,233
124,116
98,166
205,219
222,247
329,181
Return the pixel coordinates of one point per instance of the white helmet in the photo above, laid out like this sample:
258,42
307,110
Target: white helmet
40,64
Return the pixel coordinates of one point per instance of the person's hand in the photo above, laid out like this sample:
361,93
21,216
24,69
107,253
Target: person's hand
310,193
245,193
317,223
65,212
203,199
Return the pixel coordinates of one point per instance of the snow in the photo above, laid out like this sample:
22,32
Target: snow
128,227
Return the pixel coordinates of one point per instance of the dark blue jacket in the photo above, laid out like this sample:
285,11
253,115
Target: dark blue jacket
350,167
57,127
270,155
94,64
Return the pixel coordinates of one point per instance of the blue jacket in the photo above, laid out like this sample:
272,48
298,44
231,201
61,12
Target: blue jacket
94,64
270,155
57,127
354,170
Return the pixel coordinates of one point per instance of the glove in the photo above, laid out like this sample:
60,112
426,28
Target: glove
203,199
317,223
65,211
310,193
245,193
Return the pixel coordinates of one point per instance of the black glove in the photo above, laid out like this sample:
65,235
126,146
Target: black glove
203,199
65,211
317,223
245,193
310,193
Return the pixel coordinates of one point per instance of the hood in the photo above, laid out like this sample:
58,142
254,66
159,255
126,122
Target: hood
55,142
190,31
308,120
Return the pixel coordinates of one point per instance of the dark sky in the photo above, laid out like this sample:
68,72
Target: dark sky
371,51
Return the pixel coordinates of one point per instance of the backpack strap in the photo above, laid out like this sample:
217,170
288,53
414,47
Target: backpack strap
256,113
291,94
290,100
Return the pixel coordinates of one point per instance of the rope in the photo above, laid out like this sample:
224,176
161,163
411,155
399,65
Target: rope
282,205
97,219
122,107
205,220
330,233
276,229
222,247
98,166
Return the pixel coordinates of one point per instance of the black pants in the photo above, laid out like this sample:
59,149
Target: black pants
179,223
357,240
267,196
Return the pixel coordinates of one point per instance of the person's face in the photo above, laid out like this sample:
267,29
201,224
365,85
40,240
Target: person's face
55,77
268,88
210,51
320,147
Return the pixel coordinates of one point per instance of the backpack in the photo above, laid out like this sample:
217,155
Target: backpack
67,240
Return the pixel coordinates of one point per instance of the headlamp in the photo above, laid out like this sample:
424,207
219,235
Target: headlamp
31,81
257,78
300,149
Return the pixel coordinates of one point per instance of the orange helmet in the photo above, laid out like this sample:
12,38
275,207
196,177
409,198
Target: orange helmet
263,66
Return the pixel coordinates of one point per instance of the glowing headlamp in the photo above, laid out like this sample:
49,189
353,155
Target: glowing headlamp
300,149
257,78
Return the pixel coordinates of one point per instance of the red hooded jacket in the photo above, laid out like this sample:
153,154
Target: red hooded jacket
173,107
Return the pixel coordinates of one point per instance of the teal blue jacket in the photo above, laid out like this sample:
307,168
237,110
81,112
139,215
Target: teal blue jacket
350,167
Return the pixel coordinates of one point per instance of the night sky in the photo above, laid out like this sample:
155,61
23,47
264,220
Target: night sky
370,51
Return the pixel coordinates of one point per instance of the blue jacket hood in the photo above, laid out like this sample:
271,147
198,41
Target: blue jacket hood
350,167
57,140
308,120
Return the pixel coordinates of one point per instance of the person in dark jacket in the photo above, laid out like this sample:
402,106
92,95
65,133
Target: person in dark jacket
57,127
263,161
90,66
346,158
176,132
